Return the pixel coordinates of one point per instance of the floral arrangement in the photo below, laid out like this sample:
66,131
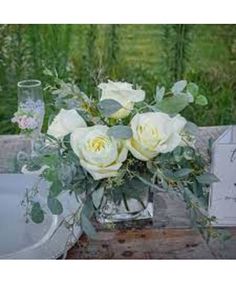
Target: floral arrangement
117,146
29,115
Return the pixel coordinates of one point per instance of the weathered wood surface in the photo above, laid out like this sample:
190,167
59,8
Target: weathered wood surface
169,236
146,243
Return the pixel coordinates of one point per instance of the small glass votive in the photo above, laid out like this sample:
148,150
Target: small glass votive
31,108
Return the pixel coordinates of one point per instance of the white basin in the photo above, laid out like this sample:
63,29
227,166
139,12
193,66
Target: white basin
21,240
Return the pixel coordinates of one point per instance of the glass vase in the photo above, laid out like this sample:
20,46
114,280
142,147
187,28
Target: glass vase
126,208
31,108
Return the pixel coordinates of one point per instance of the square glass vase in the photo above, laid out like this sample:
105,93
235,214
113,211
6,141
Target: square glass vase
126,209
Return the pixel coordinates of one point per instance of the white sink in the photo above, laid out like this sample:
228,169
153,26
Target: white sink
21,240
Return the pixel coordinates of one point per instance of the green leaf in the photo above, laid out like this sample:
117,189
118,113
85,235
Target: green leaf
159,93
188,153
197,189
201,205
88,208
37,214
97,196
49,175
120,132
55,206
55,189
201,100
169,174
193,89
184,172
178,87
178,153
87,226
173,104
50,160
191,128
207,179
225,235
190,97
109,106
151,166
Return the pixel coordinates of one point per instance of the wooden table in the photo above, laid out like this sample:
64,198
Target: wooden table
168,236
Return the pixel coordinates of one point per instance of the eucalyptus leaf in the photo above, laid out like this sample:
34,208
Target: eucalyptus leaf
49,175
201,205
225,235
54,205
159,93
193,89
97,196
188,153
173,104
37,214
178,87
190,97
169,174
201,100
184,172
191,128
87,226
120,132
164,184
55,189
207,179
109,106
197,189
88,208
178,153
151,166
50,160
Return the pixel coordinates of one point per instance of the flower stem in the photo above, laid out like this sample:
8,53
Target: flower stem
125,202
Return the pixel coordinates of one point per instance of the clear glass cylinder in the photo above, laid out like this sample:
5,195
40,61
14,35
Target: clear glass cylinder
31,108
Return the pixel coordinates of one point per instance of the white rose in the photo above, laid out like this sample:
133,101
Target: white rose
154,133
123,93
65,123
99,154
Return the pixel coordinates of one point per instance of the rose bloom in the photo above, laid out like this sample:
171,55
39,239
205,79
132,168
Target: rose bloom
154,133
123,93
99,154
65,123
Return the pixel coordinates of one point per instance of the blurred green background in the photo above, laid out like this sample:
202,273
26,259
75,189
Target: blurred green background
148,55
